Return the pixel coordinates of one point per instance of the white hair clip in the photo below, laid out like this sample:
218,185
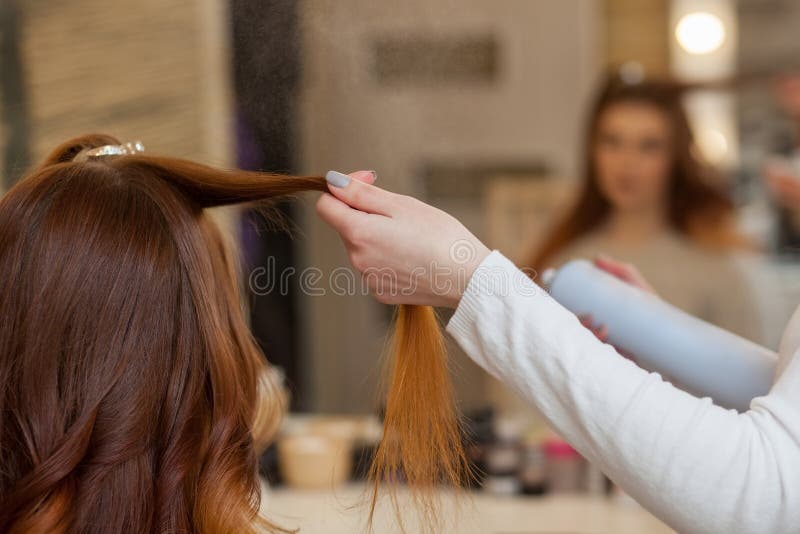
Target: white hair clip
125,149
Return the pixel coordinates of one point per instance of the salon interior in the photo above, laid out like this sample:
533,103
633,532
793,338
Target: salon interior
491,111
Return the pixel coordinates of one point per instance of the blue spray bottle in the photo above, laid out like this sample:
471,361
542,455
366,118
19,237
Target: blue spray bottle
704,359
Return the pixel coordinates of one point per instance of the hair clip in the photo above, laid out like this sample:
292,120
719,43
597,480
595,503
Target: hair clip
631,73
125,149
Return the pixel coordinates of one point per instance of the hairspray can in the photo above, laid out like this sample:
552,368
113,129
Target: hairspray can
702,358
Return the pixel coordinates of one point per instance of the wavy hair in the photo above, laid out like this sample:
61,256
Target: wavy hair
697,206
132,395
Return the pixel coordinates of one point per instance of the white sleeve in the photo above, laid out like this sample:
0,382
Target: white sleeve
698,467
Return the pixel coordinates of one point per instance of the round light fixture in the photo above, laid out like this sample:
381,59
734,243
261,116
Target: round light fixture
700,32
713,144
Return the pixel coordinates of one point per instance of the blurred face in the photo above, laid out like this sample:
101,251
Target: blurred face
633,156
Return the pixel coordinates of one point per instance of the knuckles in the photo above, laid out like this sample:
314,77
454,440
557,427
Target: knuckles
408,202
384,297
357,236
359,261
363,197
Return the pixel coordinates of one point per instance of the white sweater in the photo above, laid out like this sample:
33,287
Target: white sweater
698,467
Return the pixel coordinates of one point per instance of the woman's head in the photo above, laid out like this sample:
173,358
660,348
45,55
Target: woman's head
640,157
129,384
132,396
633,154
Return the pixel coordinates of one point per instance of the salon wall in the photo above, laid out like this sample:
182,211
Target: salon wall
351,119
155,71
638,30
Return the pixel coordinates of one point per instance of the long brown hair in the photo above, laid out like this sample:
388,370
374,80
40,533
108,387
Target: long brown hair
132,395
697,207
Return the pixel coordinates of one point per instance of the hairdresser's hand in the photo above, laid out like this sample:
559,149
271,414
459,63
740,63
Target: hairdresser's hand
624,271
627,273
600,331
783,187
408,252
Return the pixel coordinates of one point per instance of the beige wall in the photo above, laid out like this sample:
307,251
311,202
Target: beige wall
549,54
155,70
638,30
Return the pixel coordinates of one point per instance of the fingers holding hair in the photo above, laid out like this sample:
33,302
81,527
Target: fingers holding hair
340,215
358,192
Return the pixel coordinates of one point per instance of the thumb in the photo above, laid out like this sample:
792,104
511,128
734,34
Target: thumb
358,192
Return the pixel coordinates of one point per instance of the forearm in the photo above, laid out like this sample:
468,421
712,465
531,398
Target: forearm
688,461
695,465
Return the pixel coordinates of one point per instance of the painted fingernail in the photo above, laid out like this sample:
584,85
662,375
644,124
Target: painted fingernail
337,179
374,176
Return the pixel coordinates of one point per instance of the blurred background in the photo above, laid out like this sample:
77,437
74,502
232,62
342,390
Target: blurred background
504,113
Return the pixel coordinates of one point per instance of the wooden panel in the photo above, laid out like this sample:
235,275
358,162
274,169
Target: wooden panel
638,30
137,71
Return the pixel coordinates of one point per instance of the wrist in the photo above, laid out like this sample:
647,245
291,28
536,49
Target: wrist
465,272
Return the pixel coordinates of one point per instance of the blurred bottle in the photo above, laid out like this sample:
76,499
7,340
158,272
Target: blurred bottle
596,481
503,458
533,468
702,358
479,426
565,467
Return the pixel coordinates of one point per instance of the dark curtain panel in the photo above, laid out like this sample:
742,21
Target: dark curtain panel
266,78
